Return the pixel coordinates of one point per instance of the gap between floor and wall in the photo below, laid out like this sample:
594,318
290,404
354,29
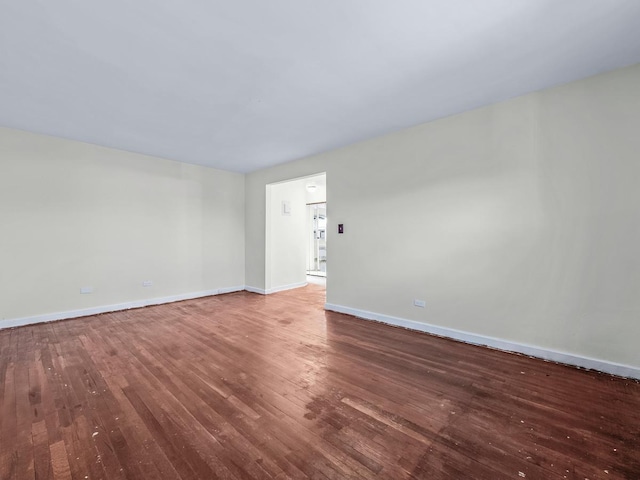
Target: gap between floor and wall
458,335
85,312
495,343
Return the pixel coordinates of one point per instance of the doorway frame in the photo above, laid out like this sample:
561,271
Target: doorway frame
269,208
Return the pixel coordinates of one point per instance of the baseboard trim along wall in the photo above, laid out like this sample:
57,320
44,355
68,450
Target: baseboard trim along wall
269,291
508,346
282,288
251,289
84,312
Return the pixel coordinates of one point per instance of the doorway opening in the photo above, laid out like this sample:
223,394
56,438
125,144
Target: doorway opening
296,213
317,228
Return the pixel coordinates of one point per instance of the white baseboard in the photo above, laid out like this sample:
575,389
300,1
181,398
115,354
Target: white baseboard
281,288
83,312
224,290
506,345
251,289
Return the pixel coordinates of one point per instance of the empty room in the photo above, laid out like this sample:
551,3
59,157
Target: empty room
320,240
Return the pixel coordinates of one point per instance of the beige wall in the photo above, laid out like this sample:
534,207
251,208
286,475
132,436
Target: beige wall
75,215
519,221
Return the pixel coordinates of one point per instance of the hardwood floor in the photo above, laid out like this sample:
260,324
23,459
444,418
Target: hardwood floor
248,386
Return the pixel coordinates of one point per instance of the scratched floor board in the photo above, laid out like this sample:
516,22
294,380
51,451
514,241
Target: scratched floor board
243,386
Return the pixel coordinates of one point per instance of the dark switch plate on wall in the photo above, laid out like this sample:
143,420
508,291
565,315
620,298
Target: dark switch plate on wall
340,228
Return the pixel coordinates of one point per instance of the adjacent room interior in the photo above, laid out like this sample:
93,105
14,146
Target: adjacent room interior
295,240
342,240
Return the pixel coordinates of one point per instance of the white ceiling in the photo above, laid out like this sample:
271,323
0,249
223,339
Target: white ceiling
245,84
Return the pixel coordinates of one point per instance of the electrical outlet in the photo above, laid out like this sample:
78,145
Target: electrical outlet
419,303
85,290
147,283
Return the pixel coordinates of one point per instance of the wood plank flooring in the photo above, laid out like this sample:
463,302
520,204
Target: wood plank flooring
244,386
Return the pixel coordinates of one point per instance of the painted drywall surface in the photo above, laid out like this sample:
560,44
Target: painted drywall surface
319,195
286,238
518,221
75,215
